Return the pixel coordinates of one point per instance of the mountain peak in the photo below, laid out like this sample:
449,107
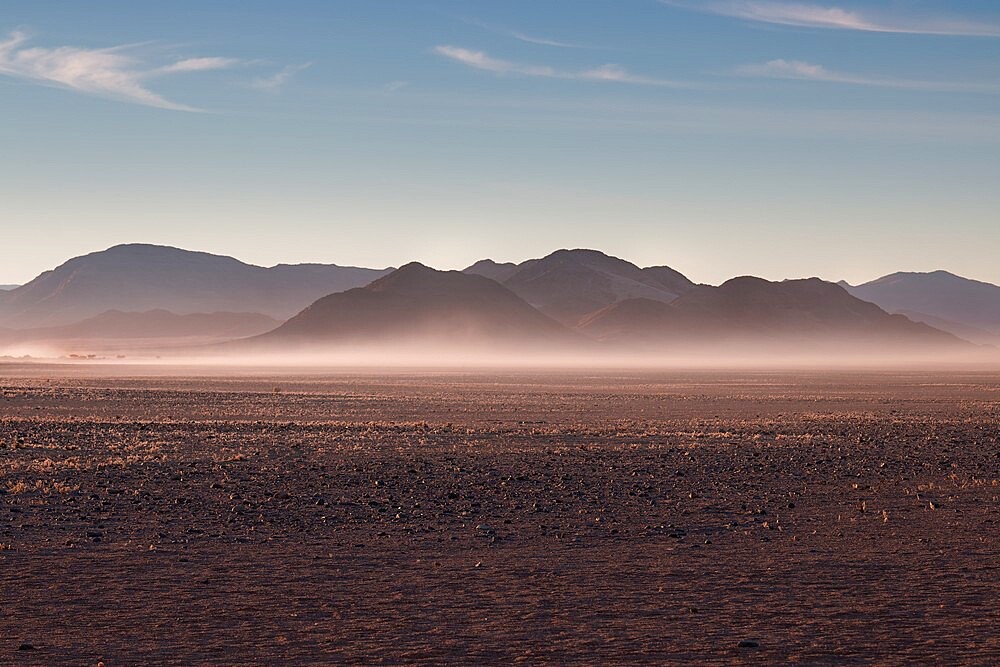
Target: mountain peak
497,271
585,256
411,274
124,247
580,253
417,267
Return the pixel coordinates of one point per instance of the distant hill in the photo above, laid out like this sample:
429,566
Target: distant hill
153,324
940,299
417,304
138,277
7,288
754,310
570,284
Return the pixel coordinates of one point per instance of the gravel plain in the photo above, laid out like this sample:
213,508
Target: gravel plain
177,516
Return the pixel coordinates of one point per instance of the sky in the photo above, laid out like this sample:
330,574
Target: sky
838,139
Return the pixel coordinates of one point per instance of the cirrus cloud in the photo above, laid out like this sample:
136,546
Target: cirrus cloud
275,82
114,73
800,70
604,73
808,15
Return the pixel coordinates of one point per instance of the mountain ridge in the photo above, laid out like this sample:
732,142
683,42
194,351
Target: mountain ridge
569,284
139,277
750,308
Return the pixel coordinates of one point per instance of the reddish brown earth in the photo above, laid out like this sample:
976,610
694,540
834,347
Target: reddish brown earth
597,518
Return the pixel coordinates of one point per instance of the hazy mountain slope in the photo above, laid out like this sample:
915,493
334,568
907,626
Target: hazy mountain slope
637,321
569,284
963,331
141,277
7,288
151,324
939,294
753,309
417,304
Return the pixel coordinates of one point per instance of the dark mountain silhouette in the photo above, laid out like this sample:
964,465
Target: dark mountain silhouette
417,304
153,324
142,277
755,310
939,298
569,284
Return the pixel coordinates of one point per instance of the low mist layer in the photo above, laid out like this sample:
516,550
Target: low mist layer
571,308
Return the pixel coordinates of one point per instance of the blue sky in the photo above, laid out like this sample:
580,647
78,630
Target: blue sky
724,137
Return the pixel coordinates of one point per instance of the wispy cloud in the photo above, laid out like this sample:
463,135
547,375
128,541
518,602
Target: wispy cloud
604,73
799,70
807,15
274,83
197,65
394,86
481,60
541,41
112,72
522,36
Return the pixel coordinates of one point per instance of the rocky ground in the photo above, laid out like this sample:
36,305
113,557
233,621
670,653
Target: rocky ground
148,517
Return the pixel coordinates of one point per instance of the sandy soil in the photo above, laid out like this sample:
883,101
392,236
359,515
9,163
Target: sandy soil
597,518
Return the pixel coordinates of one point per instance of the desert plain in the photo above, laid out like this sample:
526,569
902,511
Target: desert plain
182,516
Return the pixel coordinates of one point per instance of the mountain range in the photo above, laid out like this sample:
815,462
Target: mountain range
571,299
140,277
